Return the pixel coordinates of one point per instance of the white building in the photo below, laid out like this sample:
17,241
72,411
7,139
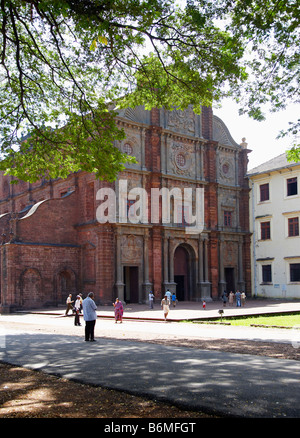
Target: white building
274,221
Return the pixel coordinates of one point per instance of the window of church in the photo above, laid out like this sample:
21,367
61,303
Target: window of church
180,160
227,218
127,148
225,168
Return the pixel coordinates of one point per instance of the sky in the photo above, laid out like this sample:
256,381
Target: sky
260,136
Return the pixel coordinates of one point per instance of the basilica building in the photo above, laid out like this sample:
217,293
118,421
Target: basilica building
57,238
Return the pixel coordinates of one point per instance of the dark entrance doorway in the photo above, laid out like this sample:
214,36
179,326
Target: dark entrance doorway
181,273
229,278
131,282
65,285
179,280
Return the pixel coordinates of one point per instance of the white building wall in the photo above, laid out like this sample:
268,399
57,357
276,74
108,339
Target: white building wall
280,251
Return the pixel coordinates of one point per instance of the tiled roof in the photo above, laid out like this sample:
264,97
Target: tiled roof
279,162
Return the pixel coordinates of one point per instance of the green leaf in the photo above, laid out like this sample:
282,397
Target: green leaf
93,46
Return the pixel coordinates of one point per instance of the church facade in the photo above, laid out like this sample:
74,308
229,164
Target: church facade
57,239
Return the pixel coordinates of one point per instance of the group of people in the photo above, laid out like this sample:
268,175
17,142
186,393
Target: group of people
88,307
239,297
165,302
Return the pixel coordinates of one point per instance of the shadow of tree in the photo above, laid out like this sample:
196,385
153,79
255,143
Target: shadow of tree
206,380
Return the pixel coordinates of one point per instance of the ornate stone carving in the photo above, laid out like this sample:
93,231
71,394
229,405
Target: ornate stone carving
131,147
132,249
181,121
182,159
226,167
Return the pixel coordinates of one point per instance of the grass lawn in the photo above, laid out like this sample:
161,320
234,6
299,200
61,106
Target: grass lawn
276,320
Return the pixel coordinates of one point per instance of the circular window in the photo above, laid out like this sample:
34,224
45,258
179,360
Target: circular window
127,148
225,168
180,160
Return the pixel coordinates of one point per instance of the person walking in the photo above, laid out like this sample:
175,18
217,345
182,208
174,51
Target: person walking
81,299
168,295
243,298
151,298
173,299
165,306
90,316
238,298
118,310
69,304
224,298
77,306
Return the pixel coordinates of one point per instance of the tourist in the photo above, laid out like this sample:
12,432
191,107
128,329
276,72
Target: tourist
224,298
168,295
118,310
238,298
81,299
165,306
77,306
174,299
243,298
231,298
90,316
151,298
69,304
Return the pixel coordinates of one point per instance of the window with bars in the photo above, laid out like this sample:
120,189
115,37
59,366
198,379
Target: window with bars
265,229
127,148
293,226
180,160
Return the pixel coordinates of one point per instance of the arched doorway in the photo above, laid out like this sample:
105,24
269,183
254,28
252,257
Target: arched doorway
31,288
65,285
183,272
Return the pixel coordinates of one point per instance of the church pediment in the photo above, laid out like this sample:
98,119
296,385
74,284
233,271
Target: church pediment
221,133
137,114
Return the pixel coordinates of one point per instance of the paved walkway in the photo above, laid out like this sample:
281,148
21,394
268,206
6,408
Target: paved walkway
215,381
186,310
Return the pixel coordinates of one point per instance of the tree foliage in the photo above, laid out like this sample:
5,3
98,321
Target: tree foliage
270,32
63,61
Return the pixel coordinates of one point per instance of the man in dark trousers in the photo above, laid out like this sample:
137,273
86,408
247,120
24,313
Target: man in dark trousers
90,316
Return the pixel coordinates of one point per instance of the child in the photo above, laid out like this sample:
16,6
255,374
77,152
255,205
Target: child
174,299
